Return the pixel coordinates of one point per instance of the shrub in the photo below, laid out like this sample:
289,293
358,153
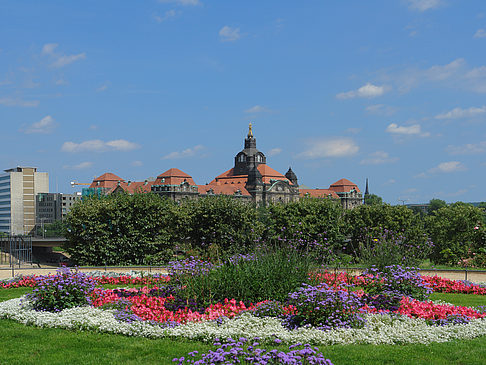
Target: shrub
325,307
371,221
121,229
309,221
396,281
270,273
456,230
66,289
219,221
386,248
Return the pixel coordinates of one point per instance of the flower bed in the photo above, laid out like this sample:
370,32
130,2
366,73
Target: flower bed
388,307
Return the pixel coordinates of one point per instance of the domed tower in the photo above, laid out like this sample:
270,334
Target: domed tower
243,158
291,176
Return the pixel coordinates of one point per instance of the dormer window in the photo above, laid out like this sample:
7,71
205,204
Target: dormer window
242,158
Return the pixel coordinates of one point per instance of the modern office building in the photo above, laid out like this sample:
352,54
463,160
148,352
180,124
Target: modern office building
51,207
18,190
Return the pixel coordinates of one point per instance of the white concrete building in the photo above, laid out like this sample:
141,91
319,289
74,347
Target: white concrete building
18,189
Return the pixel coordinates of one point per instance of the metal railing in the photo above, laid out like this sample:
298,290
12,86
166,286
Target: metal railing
15,251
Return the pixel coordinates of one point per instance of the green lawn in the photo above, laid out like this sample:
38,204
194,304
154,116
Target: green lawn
32,345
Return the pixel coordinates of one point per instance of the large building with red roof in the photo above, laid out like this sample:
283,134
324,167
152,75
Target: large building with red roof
250,179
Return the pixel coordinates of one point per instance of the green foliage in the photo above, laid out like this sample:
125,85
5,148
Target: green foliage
381,249
269,273
456,230
372,199
368,221
120,229
55,229
436,204
309,220
218,221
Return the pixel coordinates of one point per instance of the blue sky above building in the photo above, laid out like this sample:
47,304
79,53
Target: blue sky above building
393,91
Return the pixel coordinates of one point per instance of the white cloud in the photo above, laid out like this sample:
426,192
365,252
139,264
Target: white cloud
97,145
334,147
410,130
60,60
136,163
353,130
274,151
462,113
103,87
229,34
423,5
443,72
45,125
467,149
448,167
167,15
182,2
480,33
366,91
80,166
257,109
188,152
380,109
48,49
66,60
378,158
19,102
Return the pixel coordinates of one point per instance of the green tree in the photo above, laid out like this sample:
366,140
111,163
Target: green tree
310,220
436,204
456,230
372,199
371,221
120,229
218,222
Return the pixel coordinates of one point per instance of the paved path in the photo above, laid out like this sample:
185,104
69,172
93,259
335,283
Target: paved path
5,272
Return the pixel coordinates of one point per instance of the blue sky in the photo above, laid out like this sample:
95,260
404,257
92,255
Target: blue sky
391,90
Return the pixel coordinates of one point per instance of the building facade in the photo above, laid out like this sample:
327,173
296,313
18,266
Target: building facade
18,190
51,207
250,179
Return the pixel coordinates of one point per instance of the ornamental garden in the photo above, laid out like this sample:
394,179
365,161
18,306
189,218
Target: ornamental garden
263,296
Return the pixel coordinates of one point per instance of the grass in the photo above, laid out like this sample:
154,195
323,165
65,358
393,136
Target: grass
32,345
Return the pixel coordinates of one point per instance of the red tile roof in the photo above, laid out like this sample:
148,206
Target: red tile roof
267,172
107,180
344,186
225,189
173,177
318,193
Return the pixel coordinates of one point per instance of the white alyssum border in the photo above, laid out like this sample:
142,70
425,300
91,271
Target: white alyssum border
380,328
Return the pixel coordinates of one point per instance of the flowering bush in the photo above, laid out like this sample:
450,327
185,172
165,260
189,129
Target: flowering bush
66,289
325,307
246,352
272,308
395,281
437,313
442,285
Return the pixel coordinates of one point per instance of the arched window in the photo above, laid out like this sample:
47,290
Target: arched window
242,158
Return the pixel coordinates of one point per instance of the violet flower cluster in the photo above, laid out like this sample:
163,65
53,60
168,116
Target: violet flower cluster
244,351
325,307
66,289
396,281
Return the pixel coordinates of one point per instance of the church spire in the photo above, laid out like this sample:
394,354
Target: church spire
367,192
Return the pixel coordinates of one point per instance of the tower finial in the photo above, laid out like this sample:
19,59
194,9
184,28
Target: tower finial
250,132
